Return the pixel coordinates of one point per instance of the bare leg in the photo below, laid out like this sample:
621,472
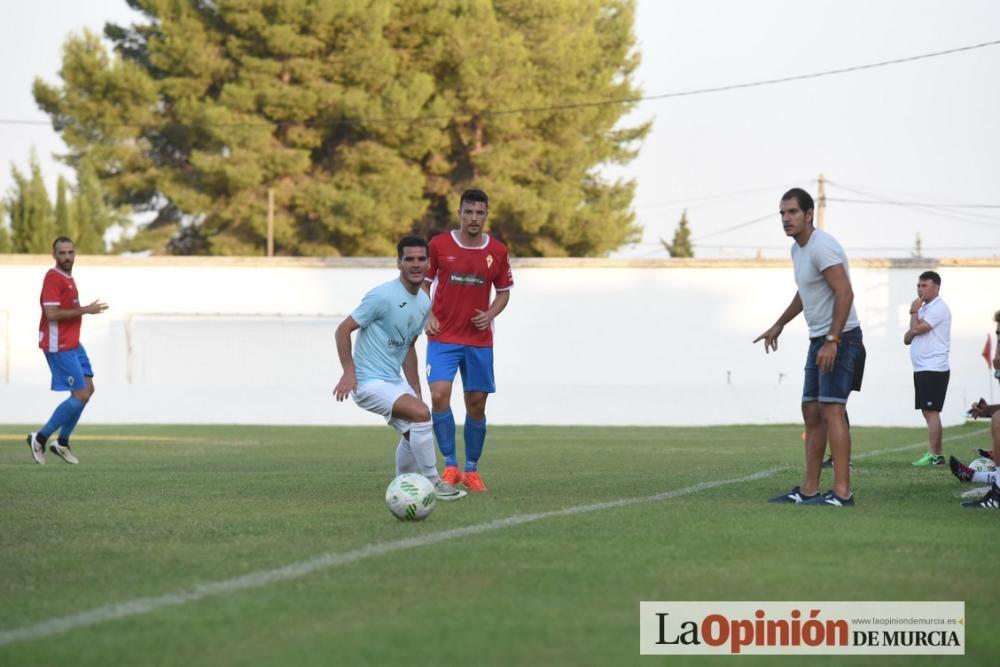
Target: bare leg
933,419
835,419
815,446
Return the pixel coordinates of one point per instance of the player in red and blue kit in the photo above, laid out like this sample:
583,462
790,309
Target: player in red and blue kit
59,338
465,266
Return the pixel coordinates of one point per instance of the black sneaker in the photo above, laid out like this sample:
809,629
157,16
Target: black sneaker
793,496
990,501
962,472
984,453
830,499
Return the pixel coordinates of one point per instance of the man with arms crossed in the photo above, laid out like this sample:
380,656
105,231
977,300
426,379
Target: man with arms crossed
466,264
836,350
59,338
929,338
391,318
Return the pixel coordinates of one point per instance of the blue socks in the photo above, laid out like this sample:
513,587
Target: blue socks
475,438
65,417
444,431
474,434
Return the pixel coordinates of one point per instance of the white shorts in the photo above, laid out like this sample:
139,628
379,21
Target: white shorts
379,396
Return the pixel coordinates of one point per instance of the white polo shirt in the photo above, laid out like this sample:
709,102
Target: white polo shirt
930,351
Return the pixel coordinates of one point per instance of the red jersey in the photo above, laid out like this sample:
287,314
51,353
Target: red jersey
465,277
59,289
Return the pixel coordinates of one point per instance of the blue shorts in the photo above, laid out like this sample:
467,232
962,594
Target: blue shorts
848,370
69,369
475,364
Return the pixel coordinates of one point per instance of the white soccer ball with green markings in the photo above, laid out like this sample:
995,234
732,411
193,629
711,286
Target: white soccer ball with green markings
410,497
982,465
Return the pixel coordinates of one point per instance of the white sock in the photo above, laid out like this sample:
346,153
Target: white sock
405,461
985,478
422,445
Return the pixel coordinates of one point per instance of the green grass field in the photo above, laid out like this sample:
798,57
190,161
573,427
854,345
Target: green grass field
165,520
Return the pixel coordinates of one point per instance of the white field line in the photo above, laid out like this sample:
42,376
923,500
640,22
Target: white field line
148,605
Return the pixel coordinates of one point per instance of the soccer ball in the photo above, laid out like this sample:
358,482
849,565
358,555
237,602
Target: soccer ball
410,497
982,465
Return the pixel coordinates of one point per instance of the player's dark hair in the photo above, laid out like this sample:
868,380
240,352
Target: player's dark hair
474,195
410,242
932,276
801,197
61,239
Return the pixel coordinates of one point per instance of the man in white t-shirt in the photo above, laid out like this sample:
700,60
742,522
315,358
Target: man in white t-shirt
835,362
929,338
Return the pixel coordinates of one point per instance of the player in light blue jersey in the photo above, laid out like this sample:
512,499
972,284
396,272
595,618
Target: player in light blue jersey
391,317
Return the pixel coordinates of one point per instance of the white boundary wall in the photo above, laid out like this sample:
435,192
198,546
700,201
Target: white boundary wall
209,340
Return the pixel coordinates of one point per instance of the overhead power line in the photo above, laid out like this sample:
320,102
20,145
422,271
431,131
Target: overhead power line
887,202
959,212
768,216
596,103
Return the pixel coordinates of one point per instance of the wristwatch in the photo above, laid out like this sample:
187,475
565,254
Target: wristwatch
830,338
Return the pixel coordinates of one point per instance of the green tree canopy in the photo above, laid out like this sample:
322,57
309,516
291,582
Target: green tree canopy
5,246
366,117
63,222
32,225
681,246
91,214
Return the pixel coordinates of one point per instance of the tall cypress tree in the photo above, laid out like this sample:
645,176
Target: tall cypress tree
90,213
681,246
31,218
64,224
365,118
5,245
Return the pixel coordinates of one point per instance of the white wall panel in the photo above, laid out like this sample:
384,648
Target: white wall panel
196,340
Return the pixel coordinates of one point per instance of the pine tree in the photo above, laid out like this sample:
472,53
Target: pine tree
31,220
366,118
681,246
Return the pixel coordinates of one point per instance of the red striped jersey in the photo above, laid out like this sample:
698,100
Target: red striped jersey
59,289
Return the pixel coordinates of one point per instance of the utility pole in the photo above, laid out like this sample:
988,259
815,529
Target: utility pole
821,204
270,222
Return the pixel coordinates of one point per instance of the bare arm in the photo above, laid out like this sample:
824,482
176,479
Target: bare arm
843,298
433,326
349,380
770,336
482,319
55,313
917,326
410,371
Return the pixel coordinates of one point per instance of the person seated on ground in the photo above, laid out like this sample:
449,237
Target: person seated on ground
966,474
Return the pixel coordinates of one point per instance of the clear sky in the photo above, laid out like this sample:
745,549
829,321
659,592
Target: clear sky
923,132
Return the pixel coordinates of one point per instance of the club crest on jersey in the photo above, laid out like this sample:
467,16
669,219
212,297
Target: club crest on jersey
489,261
